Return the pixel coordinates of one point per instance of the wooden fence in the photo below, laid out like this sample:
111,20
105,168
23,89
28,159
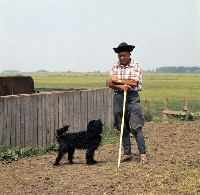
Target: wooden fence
183,112
31,119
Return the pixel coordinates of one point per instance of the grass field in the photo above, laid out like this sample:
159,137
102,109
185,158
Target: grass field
155,87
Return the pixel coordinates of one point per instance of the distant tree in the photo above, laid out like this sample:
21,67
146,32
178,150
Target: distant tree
10,72
42,71
179,69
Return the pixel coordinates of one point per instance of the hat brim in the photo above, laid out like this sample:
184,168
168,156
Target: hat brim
128,48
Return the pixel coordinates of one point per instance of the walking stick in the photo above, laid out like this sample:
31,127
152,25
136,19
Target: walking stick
122,128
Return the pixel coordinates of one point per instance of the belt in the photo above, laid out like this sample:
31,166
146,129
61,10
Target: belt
131,91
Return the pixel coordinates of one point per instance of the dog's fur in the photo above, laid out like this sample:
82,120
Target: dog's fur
89,140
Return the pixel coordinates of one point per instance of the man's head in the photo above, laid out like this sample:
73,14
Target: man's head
124,52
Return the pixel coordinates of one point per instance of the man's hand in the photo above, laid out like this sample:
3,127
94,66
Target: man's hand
122,87
114,79
126,87
131,82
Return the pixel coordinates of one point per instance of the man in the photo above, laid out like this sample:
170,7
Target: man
126,75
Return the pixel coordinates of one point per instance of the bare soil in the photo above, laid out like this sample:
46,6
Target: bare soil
173,168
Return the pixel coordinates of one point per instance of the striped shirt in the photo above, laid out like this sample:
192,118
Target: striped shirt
131,71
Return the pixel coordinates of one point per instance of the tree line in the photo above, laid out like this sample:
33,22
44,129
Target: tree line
178,69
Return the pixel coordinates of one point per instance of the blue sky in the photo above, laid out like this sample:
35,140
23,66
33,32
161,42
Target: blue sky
77,35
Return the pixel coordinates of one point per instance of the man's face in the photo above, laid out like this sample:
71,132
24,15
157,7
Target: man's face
124,58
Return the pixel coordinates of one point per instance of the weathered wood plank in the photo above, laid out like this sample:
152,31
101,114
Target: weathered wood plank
99,105
174,112
56,110
103,103
5,132
22,123
110,117
14,120
48,117
8,122
31,130
40,122
91,99
1,121
65,108
35,118
28,121
95,112
84,109
77,103
44,125
26,118
18,122
105,113
71,111
60,110
52,118
66,120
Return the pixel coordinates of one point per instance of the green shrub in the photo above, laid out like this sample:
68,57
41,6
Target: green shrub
148,116
7,154
110,136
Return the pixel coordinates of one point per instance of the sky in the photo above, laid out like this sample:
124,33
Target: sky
79,35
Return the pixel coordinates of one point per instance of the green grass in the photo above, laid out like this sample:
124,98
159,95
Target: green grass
110,136
7,154
174,86
155,87
69,80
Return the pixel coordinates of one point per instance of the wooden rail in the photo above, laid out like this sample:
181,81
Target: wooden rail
183,112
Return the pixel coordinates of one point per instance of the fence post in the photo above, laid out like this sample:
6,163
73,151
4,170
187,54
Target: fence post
185,108
146,106
165,106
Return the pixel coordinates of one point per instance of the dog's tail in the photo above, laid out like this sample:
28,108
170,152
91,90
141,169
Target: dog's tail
61,132
66,128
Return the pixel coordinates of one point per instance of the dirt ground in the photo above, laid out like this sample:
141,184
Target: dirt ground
174,167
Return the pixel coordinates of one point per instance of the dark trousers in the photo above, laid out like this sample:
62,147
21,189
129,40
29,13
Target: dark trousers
133,120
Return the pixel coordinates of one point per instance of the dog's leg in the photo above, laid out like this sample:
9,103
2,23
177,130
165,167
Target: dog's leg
71,155
93,161
59,157
90,157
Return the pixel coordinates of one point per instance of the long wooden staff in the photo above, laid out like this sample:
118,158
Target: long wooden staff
122,129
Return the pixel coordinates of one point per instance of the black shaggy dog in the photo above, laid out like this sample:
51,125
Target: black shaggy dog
89,140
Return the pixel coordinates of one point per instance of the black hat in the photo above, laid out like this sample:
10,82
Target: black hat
124,47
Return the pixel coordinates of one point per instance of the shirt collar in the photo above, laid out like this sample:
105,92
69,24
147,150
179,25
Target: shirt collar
131,64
